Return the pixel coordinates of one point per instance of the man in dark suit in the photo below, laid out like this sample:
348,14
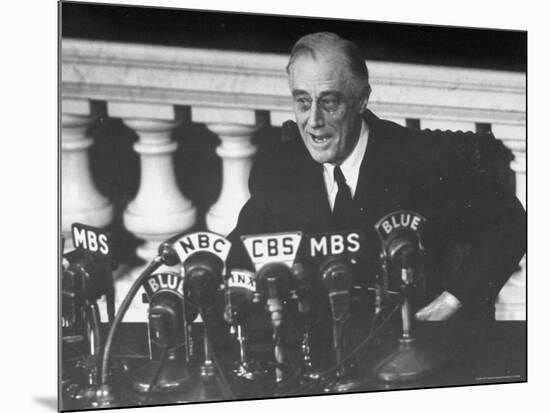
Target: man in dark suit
341,167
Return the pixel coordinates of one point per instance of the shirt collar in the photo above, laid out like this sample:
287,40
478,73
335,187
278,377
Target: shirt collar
351,165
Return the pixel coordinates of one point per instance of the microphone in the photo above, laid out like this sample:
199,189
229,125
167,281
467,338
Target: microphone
337,278
404,251
335,253
171,252
203,258
240,289
273,256
72,300
240,298
402,265
274,284
95,272
203,277
167,323
86,277
165,316
303,280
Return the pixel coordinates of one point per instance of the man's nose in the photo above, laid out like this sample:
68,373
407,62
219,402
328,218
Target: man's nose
315,119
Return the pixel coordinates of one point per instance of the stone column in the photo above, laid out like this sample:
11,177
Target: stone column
236,151
80,200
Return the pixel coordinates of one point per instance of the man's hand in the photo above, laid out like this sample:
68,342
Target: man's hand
442,308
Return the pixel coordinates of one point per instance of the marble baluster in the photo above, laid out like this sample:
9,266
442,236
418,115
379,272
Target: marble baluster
159,209
236,151
80,200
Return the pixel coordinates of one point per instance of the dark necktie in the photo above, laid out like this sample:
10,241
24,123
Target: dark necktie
343,212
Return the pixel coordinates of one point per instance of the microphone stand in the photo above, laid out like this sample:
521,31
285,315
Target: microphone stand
338,338
410,361
212,384
276,309
209,386
302,295
308,371
236,318
202,270
105,396
273,280
242,368
84,318
90,364
245,369
162,376
171,372
343,382
337,278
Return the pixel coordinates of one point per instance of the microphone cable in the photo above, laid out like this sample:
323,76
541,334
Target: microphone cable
225,385
154,265
323,375
377,315
93,311
156,374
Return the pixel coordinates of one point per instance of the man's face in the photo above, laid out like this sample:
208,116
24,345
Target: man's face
327,112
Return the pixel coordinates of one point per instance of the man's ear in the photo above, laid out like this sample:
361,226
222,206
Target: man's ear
366,95
363,104
365,98
290,131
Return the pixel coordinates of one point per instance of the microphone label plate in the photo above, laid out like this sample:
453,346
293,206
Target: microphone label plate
399,221
243,279
165,281
202,241
91,239
271,248
332,244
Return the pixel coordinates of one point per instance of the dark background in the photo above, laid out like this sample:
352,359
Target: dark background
449,46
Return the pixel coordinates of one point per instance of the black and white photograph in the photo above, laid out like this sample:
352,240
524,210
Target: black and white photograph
257,206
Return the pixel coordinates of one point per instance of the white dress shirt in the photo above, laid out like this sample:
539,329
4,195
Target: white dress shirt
350,167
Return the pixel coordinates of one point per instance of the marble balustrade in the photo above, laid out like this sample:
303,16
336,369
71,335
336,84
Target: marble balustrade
236,96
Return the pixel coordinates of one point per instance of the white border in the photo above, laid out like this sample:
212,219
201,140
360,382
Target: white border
29,32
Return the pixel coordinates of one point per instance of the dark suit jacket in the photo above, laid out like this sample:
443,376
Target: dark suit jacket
475,232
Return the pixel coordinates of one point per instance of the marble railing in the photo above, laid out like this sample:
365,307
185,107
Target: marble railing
235,94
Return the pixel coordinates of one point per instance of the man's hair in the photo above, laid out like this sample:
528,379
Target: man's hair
324,43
